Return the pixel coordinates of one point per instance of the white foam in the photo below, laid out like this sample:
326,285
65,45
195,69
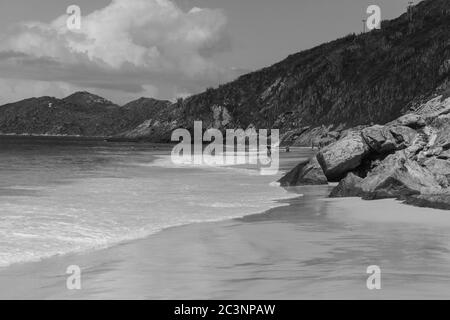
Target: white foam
99,211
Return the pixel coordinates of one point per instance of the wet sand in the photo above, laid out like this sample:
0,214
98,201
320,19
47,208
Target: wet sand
314,248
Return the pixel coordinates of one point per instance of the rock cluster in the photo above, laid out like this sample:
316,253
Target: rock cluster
408,159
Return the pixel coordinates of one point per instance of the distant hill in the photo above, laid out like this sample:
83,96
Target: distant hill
359,79
81,113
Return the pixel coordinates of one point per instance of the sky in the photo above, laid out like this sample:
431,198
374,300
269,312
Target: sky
126,49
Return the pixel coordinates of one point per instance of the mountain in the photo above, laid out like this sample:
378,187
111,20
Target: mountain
360,79
81,113
88,100
316,94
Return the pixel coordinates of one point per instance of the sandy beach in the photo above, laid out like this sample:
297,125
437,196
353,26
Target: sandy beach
314,248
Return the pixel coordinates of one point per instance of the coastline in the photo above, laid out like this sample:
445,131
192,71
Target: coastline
50,136
46,278
309,246
296,259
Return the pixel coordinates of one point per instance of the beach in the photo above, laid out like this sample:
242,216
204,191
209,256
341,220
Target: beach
146,229
310,249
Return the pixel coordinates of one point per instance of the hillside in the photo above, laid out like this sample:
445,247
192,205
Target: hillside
81,113
312,95
359,79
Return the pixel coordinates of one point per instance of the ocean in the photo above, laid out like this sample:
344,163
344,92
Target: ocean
64,195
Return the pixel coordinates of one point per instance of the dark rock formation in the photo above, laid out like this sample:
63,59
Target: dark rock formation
386,139
343,156
398,176
350,186
307,172
395,160
394,177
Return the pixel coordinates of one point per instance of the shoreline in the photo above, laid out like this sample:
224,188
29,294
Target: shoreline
308,246
28,266
140,238
229,259
40,136
274,202
278,204
112,139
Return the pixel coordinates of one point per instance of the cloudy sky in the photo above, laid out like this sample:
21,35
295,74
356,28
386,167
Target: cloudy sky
165,49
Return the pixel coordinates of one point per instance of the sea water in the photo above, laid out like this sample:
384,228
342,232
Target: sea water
61,195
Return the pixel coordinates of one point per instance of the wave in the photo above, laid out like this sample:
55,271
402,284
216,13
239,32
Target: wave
163,161
89,243
123,203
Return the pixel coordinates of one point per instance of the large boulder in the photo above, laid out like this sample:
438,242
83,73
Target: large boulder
350,186
379,138
308,172
398,176
385,139
343,156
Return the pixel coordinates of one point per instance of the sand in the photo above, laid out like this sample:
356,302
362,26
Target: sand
313,248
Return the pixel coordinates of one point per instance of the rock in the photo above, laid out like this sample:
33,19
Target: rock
413,150
410,120
439,105
385,139
438,201
221,116
379,138
289,137
343,156
404,136
433,152
443,136
439,167
444,155
350,186
307,172
398,176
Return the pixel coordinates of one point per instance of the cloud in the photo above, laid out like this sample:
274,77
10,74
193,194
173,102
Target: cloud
129,45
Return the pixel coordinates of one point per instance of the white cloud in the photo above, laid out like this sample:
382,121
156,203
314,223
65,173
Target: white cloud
129,45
